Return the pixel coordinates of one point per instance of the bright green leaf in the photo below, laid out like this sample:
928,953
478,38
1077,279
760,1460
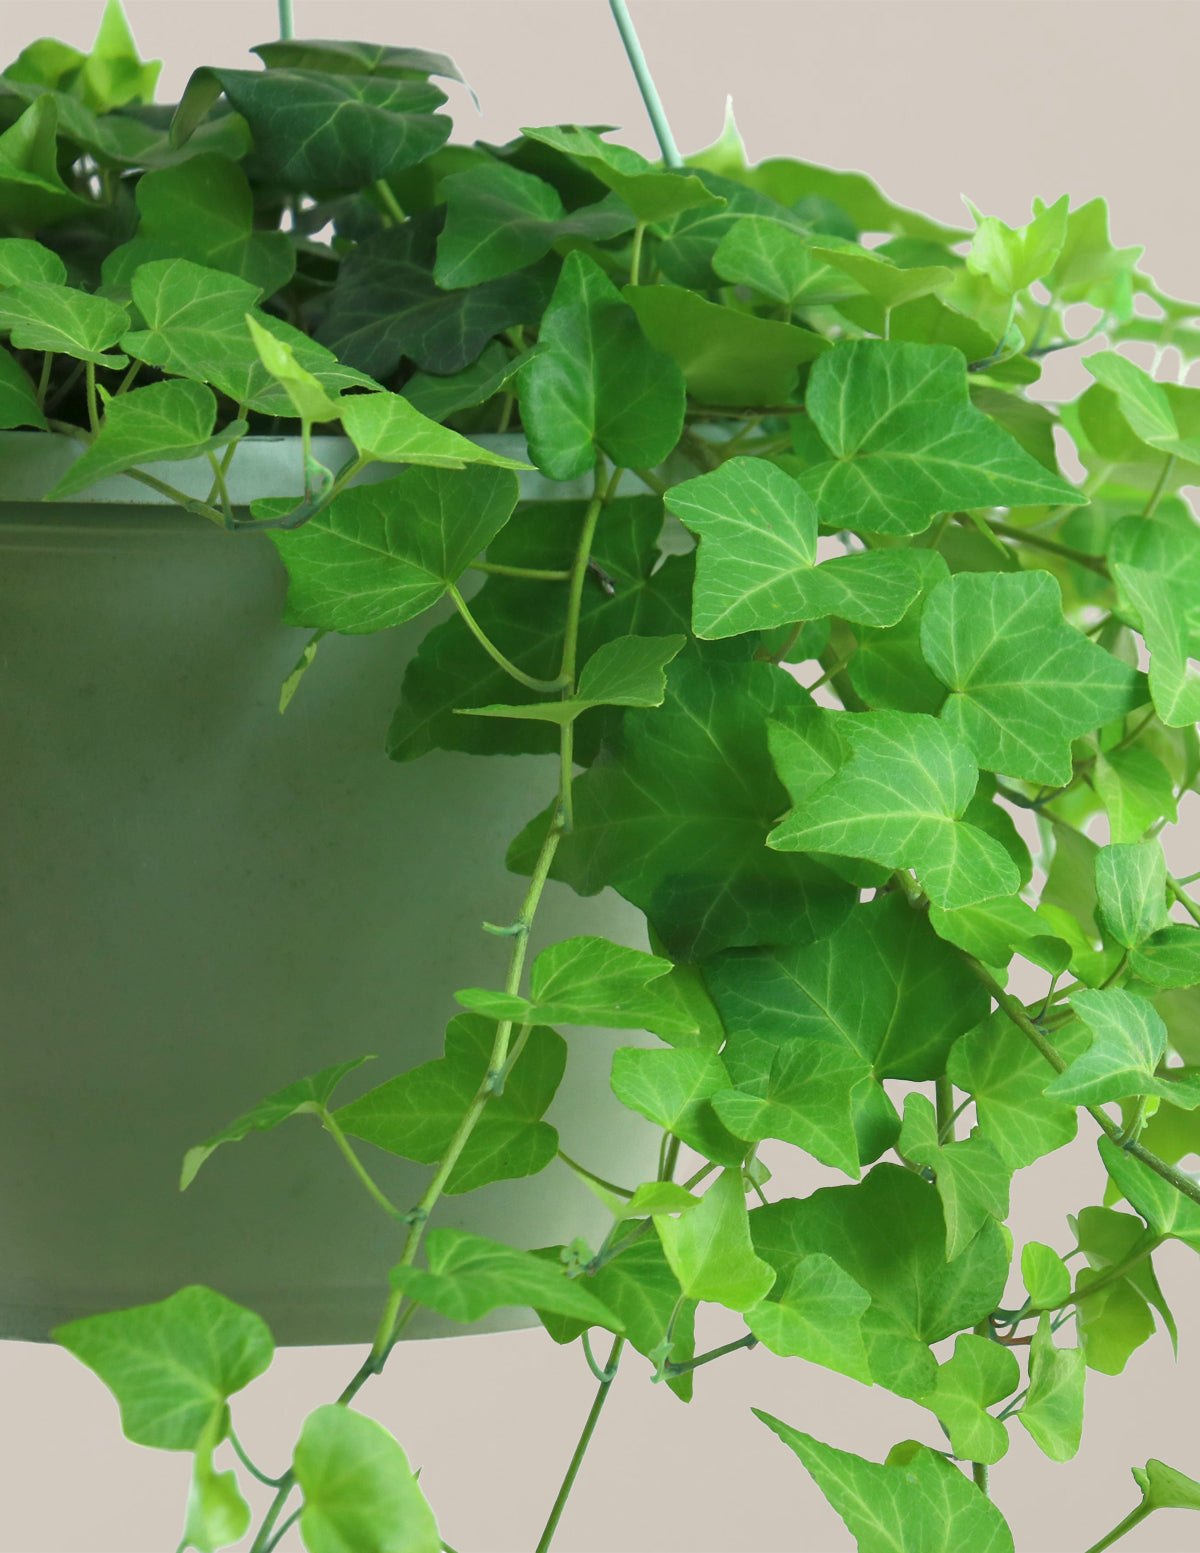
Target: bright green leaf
1046,1277
1165,1209
23,260
709,1249
1014,257
388,428
816,1316
1146,405
1170,957
630,671
1129,1041
217,1515
1136,790
360,1495
980,1374
804,1100
780,262
993,931
972,1179
1131,888
1159,609
1053,1410
674,1090
42,315
880,278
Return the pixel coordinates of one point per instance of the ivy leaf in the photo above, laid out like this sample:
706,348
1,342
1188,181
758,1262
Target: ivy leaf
359,1491
416,1114
709,1249
1113,1323
451,671
676,815
1146,404
173,1365
1166,1210
217,1515
440,397
306,1095
468,1276
690,240
1131,888
202,210
1053,1410
1159,609
599,384
1169,958
23,260
18,401
757,567
44,316
1046,1277
386,306
1023,682
888,669
1014,257
382,554
924,1504
898,800
780,262
338,56
972,1180
322,134
727,357
881,278
591,981
980,1374
1090,269
172,420
651,195
1129,1041
1136,790
388,428
196,327
908,443
1165,1488
630,671
993,931
804,1100
113,74
674,1090
787,179
32,192
309,399
918,1297
500,219
1007,1076
817,1316
1111,1330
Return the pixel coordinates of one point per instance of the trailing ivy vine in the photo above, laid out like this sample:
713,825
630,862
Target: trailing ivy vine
857,694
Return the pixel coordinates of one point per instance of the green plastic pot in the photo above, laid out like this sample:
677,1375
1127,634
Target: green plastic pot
204,901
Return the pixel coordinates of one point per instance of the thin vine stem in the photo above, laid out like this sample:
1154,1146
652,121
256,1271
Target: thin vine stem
1134,1518
330,1125
585,1439
1156,495
1176,888
284,1529
544,686
287,24
248,1464
531,573
645,81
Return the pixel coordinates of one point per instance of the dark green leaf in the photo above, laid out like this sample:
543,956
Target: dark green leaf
651,195
338,56
381,554
417,1114
18,401
359,1491
23,260
173,1365
629,671
32,192
441,397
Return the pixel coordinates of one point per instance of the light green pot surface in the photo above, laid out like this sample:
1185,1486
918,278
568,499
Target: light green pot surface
204,901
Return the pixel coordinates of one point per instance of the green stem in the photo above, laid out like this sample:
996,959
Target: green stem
248,1464
944,1092
533,573
609,1186
127,381
585,1439
1156,495
93,407
284,1529
670,1371
44,380
287,26
648,477
1017,1013
339,1137
603,1376
545,686
979,1475
264,1541
654,107
180,498
635,257
946,1132
1176,888
1134,1518
1093,563
221,488
389,201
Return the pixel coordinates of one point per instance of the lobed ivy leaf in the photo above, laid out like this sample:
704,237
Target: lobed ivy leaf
171,420
468,1276
339,56
888,669
1169,957
18,398
629,671
674,818
710,1251
1023,682
452,672
1129,1041
1089,268
898,800
359,1491
32,193
382,554
971,1178
993,931
779,261
907,442
1162,415
306,1095
23,260
787,180
201,209
979,1374
757,567
1136,790
727,357
600,384
1131,890
650,194
1167,1211
500,219
440,397
45,316
1159,609
674,1090
320,133
416,1114
1012,258
1165,1488
689,241
879,277
1053,1410
173,1365
914,1507
1111,1329
389,428
591,981
816,1316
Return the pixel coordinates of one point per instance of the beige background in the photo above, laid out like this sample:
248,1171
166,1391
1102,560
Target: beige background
997,99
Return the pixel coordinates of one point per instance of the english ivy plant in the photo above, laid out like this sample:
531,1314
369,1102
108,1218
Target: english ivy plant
871,707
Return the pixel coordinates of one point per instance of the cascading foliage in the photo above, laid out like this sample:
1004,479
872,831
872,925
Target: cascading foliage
858,693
